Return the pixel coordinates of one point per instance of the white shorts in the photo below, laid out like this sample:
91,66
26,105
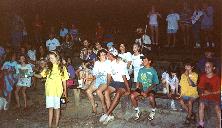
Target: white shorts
52,102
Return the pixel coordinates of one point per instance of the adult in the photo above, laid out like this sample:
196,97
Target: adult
63,31
37,29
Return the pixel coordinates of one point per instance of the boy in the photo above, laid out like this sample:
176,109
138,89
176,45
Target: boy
146,81
209,92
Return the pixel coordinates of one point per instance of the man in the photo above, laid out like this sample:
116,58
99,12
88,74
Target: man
146,81
119,85
53,43
143,40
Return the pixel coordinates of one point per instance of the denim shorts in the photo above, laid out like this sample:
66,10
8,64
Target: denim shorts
187,97
171,31
209,102
99,82
117,85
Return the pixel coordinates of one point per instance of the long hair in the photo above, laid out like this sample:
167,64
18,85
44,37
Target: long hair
50,65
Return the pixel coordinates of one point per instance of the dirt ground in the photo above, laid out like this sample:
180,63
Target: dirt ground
80,116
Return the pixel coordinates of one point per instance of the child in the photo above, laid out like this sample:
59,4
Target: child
153,22
170,82
136,61
70,68
9,70
209,92
55,85
172,26
188,83
146,81
23,71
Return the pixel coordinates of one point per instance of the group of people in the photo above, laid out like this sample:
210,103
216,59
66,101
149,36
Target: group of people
111,72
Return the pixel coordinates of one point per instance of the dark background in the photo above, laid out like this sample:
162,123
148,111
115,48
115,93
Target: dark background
125,15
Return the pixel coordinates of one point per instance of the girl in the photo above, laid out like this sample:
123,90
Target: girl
209,92
189,92
136,61
55,85
23,71
8,69
100,71
153,22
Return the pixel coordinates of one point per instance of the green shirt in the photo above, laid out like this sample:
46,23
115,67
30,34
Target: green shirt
147,77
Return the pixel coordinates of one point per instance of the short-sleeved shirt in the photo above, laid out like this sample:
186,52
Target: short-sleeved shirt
172,20
147,77
32,55
63,32
153,19
24,73
208,17
212,85
186,88
54,79
2,51
52,44
117,70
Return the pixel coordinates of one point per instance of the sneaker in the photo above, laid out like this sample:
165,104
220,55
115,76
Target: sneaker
172,105
213,45
208,44
108,119
151,116
137,115
164,91
103,118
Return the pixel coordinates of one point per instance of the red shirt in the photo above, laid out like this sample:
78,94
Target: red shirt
212,85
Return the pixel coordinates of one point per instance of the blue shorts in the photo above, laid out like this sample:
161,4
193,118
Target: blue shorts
171,31
117,85
209,102
187,97
99,82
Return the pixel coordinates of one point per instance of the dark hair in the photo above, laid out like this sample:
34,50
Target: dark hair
174,68
212,61
188,61
26,60
100,51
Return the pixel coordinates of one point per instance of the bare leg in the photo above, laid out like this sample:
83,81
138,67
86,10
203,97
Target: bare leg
57,112
50,117
134,100
151,98
89,93
201,112
99,91
168,39
190,106
24,96
183,105
108,91
17,96
218,112
157,35
116,100
174,39
152,34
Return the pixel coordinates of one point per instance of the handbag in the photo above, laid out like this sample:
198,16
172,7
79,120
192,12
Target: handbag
70,83
63,100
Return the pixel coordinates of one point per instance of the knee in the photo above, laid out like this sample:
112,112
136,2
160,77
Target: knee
88,91
201,107
132,96
99,92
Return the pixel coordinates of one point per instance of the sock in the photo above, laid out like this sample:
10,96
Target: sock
201,123
137,109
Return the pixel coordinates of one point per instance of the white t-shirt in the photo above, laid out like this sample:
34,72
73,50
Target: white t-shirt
101,69
153,19
126,57
137,64
63,32
32,55
117,70
173,82
172,20
52,44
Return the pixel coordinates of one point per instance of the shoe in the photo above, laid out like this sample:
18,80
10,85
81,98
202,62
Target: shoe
151,116
172,105
213,45
208,44
103,118
137,115
108,119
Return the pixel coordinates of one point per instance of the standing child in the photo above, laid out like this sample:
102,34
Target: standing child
153,22
23,71
136,61
55,85
172,27
188,83
8,69
209,92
